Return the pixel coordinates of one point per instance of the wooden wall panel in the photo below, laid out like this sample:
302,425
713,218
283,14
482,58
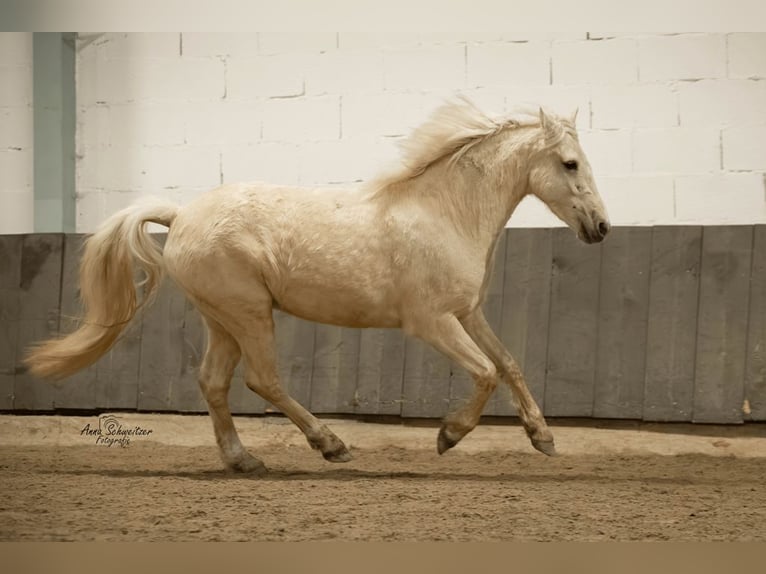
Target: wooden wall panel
722,324
662,324
573,326
39,310
426,382
295,354
380,372
335,367
672,323
526,311
622,322
10,291
755,366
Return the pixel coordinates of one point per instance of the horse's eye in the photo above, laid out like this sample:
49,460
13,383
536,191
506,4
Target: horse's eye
572,165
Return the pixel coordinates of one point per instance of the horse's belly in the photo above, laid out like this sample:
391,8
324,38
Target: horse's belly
339,306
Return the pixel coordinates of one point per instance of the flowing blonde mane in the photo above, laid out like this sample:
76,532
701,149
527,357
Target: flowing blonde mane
452,130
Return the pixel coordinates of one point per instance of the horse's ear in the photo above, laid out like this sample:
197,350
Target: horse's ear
573,117
544,121
551,127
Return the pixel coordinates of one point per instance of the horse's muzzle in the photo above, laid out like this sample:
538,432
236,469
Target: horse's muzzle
597,233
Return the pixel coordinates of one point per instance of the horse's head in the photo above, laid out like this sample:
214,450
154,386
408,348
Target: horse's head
562,178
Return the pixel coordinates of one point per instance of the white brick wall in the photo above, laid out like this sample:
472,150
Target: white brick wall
747,55
681,57
16,133
595,62
674,125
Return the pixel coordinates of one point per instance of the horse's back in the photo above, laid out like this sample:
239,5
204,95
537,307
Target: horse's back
319,253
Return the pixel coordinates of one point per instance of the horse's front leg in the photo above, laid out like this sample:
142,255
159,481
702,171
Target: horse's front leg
532,418
447,335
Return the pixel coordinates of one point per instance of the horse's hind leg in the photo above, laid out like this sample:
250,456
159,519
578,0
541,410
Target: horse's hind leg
217,368
262,377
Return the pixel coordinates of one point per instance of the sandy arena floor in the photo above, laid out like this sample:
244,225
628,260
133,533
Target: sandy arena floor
627,482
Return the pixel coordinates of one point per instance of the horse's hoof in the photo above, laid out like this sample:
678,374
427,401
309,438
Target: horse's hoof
545,447
249,465
443,442
338,455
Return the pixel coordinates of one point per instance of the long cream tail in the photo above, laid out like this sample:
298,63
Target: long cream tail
107,288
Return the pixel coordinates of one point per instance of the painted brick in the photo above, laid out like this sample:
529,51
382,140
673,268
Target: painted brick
90,209
491,101
390,40
151,169
139,45
425,68
15,49
747,55
331,109
266,161
381,114
538,36
676,150
588,62
720,199
94,169
146,124
595,36
206,44
395,40
223,122
280,42
723,102
183,166
168,80
681,57
16,128
15,86
345,161
281,75
92,129
609,151
562,100
115,201
301,119
508,64
744,148
18,211
642,106
16,170
638,200
344,72
91,69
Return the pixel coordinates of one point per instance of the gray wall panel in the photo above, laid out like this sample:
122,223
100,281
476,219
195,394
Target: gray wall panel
426,384
573,327
648,325
39,310
722,324
672,324
526,311
10,281
755,367
335,366
622,322
380,372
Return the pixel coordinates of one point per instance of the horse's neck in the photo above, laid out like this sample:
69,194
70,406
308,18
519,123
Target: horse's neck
477,194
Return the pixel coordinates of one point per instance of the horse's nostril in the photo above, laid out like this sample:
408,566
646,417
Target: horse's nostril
603,228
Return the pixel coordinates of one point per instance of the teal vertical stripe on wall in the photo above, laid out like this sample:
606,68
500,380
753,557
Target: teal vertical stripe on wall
54,131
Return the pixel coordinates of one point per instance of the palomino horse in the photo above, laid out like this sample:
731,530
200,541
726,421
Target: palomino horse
413,250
